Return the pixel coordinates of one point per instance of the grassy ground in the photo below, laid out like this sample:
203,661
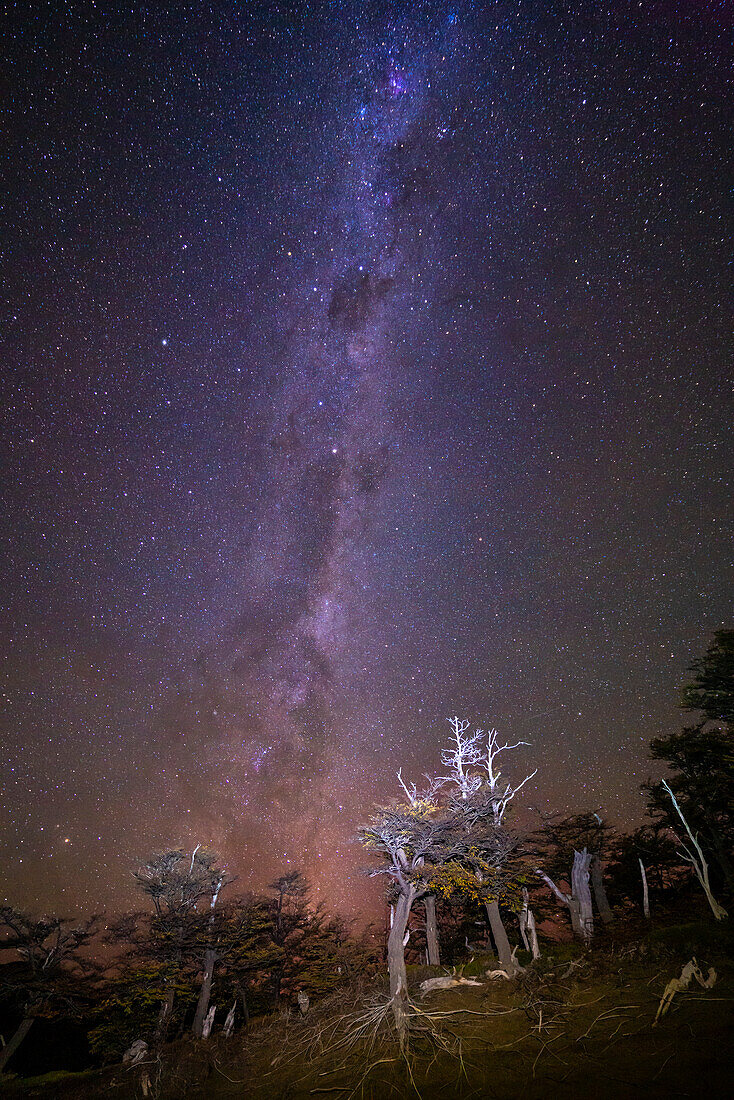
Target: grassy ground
576,1025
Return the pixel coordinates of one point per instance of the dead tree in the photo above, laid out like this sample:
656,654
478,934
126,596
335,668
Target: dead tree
578,901
219,879
694,855
583,841
645,891
528,930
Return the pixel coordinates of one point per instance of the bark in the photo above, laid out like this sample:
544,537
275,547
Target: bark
504,951
245,1008
528,930
164,1017
229,1022
10,1048
208,1023
202,1007
582,893
600,893
645,892
396,960
434,954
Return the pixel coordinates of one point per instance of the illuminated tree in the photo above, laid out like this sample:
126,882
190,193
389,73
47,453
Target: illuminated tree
407,837
179,884
480,800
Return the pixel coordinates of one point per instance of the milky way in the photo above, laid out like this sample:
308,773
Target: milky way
365,364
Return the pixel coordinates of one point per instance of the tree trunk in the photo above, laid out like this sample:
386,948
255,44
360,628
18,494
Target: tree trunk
528,930
245,1007
645,892
229,1022
501,942
600,893
208,1023
396,961
434,955
582,894
533,932
10,1048
164,1017
202,1007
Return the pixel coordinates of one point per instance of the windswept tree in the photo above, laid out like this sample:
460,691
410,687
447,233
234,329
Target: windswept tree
479,798
701,762
410,839
180,884
45,976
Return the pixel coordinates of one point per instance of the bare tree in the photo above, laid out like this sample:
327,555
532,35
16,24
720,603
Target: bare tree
693,854
218,879
583,841
578,901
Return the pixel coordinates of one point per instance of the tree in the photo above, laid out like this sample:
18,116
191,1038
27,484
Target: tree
646,856
290,909
701,759
480,800
712,689
51,965
581,842
406,837
178,883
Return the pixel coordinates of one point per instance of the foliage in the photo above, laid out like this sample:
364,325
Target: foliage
130,1006
712,688
701,759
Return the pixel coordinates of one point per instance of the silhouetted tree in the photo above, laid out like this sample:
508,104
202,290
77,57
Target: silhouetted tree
47,974
701,760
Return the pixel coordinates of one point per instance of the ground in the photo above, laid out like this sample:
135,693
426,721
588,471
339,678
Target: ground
577,1025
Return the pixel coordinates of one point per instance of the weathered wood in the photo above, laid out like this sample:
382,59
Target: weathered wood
507,960
582,893
434,953
396,959
528,930
208,1022
446,981
694,855
645,891
229,1021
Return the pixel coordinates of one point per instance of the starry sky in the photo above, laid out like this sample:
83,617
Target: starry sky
363,363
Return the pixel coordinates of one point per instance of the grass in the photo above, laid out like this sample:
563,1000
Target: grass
578,1024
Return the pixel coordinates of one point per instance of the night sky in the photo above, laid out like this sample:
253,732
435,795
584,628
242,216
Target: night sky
363,363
